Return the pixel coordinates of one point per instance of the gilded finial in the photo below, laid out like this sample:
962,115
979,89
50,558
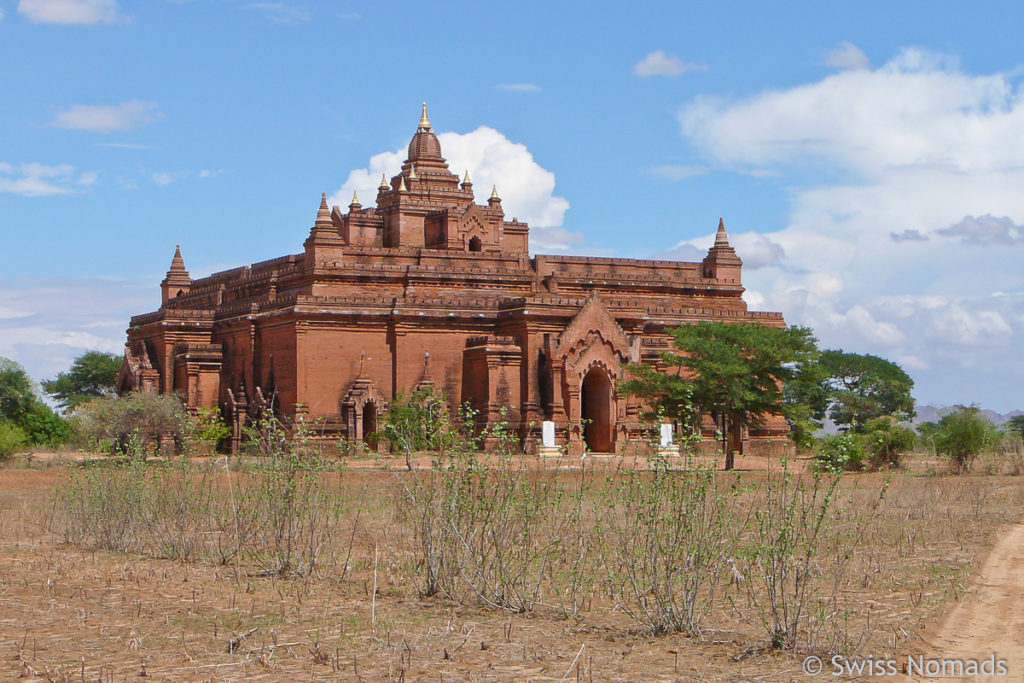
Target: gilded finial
401,184
424,121
412,171
355,199
494,192
466,180
383,181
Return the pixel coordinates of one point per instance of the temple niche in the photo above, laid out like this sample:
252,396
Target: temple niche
429,288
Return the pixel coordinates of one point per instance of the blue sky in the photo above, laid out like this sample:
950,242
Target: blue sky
865,156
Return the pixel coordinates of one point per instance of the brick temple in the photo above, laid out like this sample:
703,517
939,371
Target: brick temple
429,288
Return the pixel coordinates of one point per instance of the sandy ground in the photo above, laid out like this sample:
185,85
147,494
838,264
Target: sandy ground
990,620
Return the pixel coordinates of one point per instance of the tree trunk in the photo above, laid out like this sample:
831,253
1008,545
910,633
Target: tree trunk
727,444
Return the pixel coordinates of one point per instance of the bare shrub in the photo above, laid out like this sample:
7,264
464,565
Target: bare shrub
131,424
799,540
667,537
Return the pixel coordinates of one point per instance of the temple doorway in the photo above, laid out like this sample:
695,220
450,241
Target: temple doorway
596,410
370,425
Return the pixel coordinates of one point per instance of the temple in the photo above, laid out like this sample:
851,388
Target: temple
429,288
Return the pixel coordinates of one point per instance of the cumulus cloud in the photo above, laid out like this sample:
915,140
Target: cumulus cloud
50,321
69,11
891,172
846,55
755,249
524,88
660,63
107,118
985,230
40,180
526,188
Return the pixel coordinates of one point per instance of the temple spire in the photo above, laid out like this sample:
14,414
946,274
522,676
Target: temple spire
401,184
323,214
424,120
721,238
412,172
494,192
355,201
383,182
466,180
177,263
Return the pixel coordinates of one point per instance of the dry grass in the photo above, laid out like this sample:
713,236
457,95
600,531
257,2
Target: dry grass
67,613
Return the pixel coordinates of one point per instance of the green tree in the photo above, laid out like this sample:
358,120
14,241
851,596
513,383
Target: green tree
963,435
856,388
17,394
21,409
733,371
92,375
1016,424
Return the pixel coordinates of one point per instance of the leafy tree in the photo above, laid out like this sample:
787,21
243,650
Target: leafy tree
12,438
93,374
1016,424
733,371
17,395
856,388
886,440
963,435
22,410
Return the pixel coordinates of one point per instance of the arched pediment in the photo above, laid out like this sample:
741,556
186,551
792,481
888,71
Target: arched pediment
593,319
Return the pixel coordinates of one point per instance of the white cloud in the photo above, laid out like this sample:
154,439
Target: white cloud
162,178
50,321
525,88
905,215
526,188
107,118
281,12
755,249
40,180
69,11
846,55
660,63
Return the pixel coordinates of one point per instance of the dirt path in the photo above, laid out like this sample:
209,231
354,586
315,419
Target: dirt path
991,619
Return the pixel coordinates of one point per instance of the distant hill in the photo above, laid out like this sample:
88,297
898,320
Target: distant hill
926,413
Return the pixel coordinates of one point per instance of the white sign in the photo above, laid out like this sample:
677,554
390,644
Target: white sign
666,435
548,433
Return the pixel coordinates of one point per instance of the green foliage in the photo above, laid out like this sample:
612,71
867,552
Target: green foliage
886,441
1016,425
17,394
206,429
45,427
138,418
12,438
962,436
734,371
92,375
19,406
856,388
419,421
839,452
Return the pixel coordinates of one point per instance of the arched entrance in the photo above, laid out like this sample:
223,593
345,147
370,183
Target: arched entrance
370,425
596,410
